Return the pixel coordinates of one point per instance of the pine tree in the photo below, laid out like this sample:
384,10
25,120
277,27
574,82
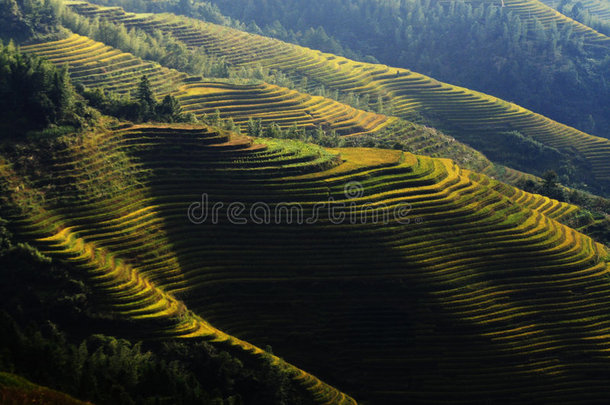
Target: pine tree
169,109
146,99
255,127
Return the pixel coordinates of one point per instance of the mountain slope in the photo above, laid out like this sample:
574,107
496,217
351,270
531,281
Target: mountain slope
119,240
96,65
515,50
596,8
15,390
545,14
423,283
471,116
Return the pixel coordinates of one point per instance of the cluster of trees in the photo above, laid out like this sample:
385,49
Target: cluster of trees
154,45
52,333
577,11
203,10
328,138
484,47
22,19
521,152
35,95
140,108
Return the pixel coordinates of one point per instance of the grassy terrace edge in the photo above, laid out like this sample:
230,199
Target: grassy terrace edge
461,111
124,224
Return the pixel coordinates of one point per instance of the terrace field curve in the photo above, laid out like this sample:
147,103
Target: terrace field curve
596,8
96,65
545,13
263,101
438,284
467,114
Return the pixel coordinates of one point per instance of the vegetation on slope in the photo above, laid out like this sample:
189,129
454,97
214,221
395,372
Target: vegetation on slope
15,390
153,45
472,117
97,66
35,95
593,13
24,19
274,107
58,331
116,208
314,118
504,51
462,263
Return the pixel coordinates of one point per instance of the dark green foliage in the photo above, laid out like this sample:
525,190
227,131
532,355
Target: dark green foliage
575,10
34,95
272,131
169,110
22,19
486,48
255,127
146,100
144,107
51,333
154,45
550,186
111,104
318,136
522,152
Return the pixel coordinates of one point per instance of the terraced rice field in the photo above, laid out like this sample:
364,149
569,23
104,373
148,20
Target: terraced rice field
544,11
276,104
96,65
117,233
554,209
271,104
596,8
461,110
469,290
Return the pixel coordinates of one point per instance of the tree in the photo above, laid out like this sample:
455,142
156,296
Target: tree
550,186
549,179
169,110
255,127
185,7
273,131
21,19
34,94
146,99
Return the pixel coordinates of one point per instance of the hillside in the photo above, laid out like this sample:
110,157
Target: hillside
595,13
522,51
532,10
15,390
98,66
367,305
597,8
477,119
